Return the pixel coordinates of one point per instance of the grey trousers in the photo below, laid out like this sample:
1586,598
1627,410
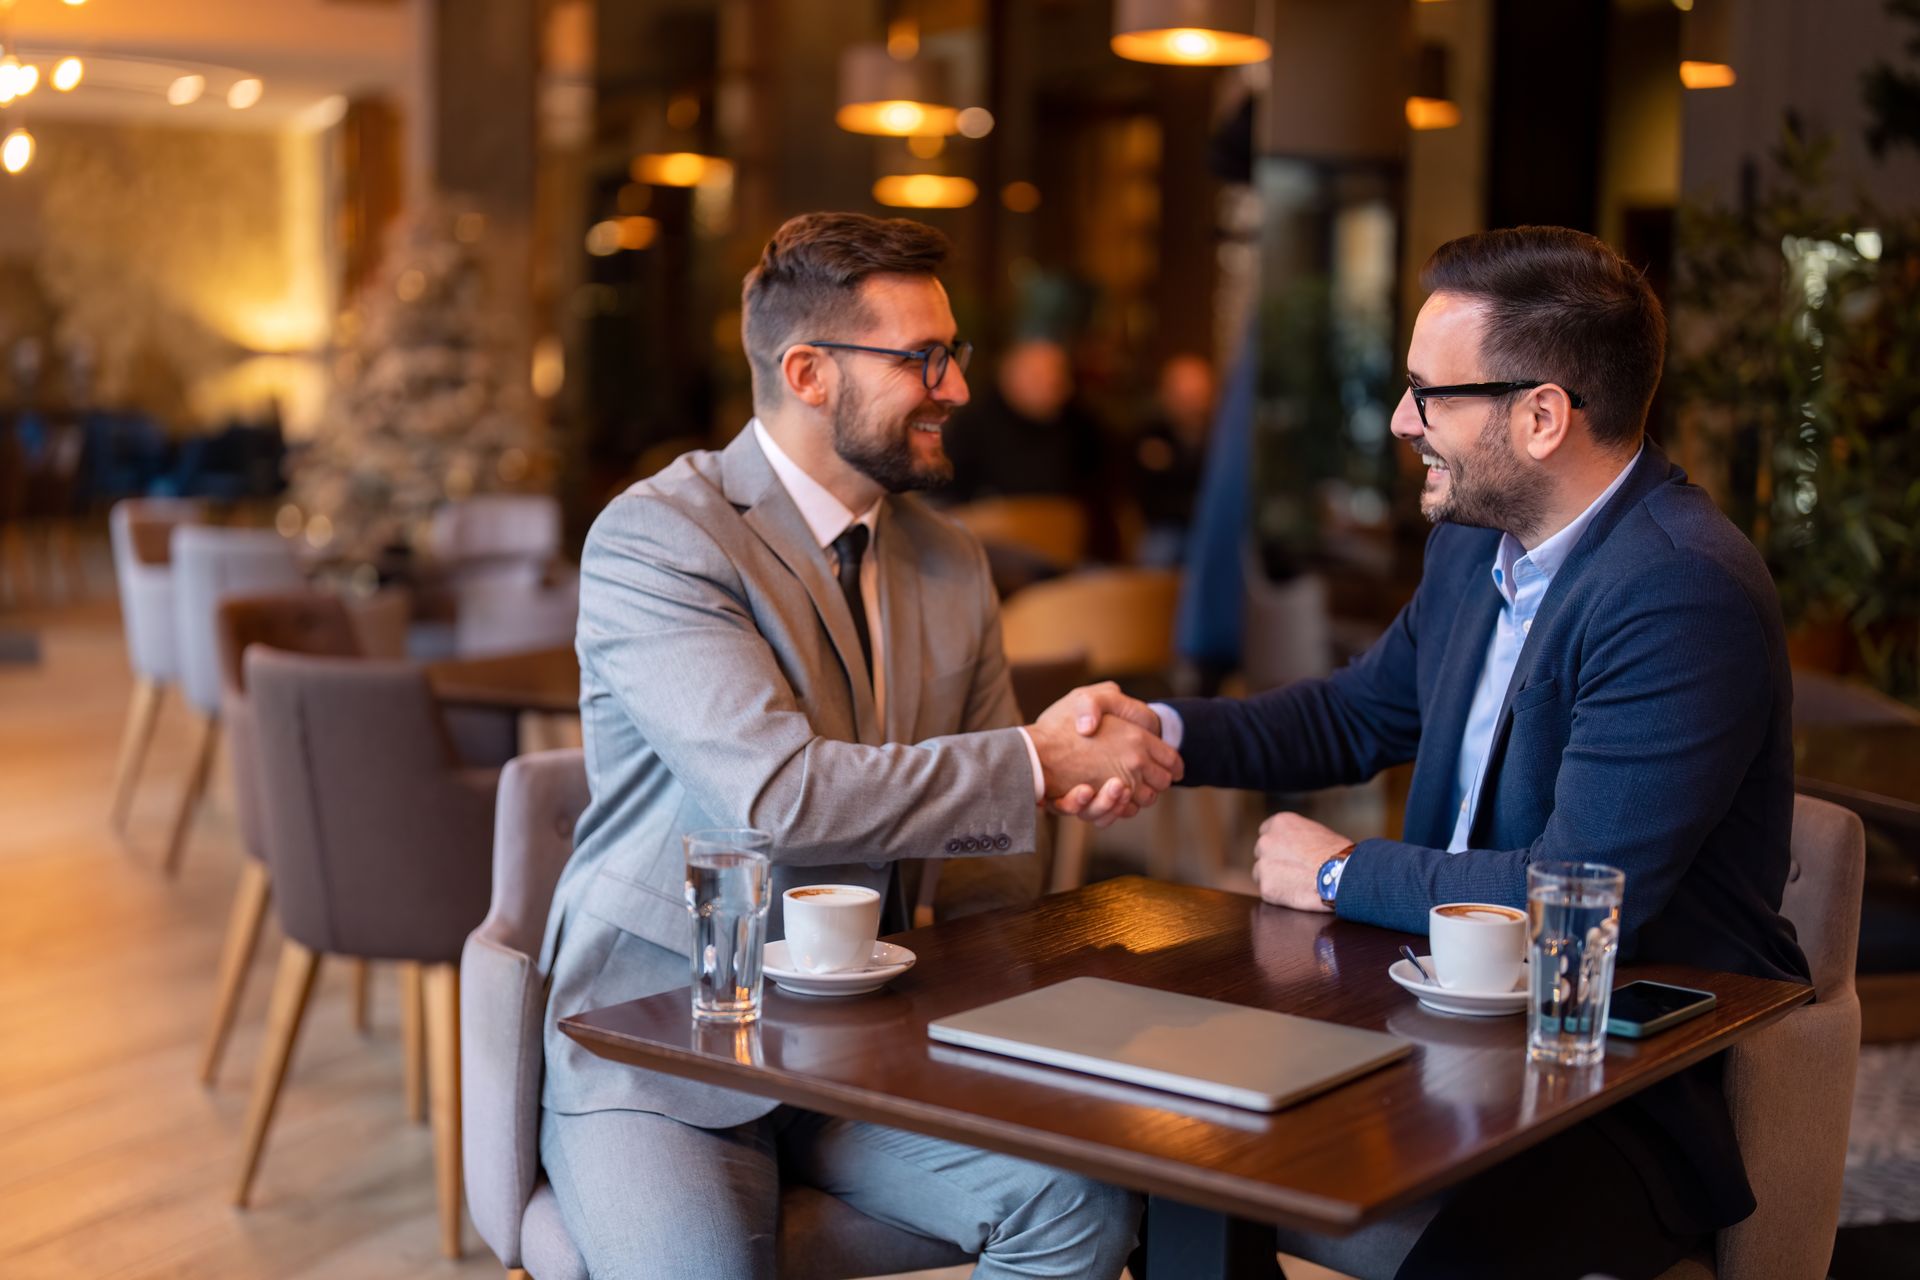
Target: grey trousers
651,1198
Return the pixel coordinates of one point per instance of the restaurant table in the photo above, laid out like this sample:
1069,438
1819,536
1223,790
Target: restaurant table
1463,1100
543,680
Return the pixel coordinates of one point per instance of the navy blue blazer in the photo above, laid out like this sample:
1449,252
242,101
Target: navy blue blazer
1648,725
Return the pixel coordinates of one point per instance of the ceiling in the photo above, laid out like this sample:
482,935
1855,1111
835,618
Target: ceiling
305,51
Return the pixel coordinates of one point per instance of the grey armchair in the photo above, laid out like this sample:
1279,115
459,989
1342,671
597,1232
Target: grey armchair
211,564
309,622
503,1002
377,840
141,532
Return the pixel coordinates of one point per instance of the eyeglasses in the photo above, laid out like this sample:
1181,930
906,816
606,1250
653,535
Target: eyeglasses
1479,389
933,360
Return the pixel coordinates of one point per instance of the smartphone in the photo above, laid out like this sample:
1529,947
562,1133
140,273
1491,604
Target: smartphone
1643,1008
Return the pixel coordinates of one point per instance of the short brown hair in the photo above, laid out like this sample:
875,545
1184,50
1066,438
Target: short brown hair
809,276
1562,307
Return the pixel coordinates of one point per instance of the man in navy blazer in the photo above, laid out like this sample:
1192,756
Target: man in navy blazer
1593,668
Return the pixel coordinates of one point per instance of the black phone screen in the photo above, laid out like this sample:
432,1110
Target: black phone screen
1642,1002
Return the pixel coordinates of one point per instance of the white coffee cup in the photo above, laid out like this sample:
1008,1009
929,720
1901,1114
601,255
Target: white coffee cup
831,927
1477,946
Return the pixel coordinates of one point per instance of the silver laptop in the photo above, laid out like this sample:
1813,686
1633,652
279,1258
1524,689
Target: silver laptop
1243,1057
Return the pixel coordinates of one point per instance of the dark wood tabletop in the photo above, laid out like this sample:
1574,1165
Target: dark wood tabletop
1464,1099
538,680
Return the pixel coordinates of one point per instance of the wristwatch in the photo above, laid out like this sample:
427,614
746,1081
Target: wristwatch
1328,879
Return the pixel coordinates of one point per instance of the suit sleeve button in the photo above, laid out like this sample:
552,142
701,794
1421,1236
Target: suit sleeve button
953,846
1003,843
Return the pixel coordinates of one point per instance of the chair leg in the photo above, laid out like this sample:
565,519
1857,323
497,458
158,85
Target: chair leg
443,1059
292,988
143,713
1072,845
362,996
196,789
236,958
413,1039
444,1064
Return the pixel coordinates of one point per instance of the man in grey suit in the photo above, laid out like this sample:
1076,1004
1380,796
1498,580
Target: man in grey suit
779,636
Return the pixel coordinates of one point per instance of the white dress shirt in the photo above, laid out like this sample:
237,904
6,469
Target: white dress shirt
827,518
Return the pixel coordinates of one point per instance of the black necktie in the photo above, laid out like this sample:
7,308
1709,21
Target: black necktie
848,548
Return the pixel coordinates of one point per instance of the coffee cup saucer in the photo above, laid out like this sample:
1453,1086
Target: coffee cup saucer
1474,1004
888,961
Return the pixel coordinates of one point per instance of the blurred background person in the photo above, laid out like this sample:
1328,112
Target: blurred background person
1167,458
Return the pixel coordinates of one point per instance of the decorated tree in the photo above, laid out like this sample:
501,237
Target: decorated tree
426,405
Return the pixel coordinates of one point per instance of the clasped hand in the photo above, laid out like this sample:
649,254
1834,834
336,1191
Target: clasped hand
1102,755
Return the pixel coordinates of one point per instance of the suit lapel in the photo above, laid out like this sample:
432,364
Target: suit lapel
900,620
1430,809
771,513
1649,472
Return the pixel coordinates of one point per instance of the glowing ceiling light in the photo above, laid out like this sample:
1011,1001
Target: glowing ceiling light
10,70
1190,33
67,73
186,90
680,169
29,77
1706,75
16,153
1432,113
924,191
892,97
245,93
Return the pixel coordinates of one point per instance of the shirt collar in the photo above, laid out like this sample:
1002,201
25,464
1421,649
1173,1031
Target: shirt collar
1547,558
827,517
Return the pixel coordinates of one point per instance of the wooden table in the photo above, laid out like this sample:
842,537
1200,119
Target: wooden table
544,680
1465,1098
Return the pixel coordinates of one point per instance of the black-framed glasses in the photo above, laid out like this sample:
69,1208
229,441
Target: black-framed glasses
1464,390
933,360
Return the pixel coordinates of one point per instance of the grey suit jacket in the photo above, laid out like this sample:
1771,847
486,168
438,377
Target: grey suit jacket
715,651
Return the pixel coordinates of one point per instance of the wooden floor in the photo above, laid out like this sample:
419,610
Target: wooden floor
114,1162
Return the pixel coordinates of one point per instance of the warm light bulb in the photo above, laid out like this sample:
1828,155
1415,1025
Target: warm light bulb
75,4
186,90
898,118
1193,44
1432,113
924,191
67,73
29,78
902,117
1706,75
16,153
245,93
679,169
9,78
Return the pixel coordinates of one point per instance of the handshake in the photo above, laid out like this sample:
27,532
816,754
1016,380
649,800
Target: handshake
1102,755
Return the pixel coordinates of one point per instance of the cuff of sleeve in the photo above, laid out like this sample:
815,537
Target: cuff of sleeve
1172,728
1039,775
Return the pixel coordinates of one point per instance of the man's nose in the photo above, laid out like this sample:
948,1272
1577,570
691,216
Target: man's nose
952,387
1406,422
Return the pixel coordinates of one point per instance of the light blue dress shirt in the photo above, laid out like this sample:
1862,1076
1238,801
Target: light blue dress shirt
1522,578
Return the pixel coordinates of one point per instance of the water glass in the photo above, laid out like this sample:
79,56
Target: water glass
1573,923
729,889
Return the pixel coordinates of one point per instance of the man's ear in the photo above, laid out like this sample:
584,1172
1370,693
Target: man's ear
1546,419
809,376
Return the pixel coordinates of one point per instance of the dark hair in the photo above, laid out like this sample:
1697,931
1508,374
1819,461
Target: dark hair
1562,307
809,276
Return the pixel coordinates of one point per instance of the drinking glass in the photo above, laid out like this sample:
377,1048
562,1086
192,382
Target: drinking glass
1573,922
729,874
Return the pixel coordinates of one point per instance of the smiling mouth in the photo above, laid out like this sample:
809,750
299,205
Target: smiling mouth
931,428
1433,463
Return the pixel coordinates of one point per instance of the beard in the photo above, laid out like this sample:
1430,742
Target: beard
881,451
1490,487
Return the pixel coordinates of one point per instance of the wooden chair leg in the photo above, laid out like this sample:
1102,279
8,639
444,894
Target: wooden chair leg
443,1059
196,790
929,891
236,959
362,996
413,1039
143,713
292,988
1073,844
